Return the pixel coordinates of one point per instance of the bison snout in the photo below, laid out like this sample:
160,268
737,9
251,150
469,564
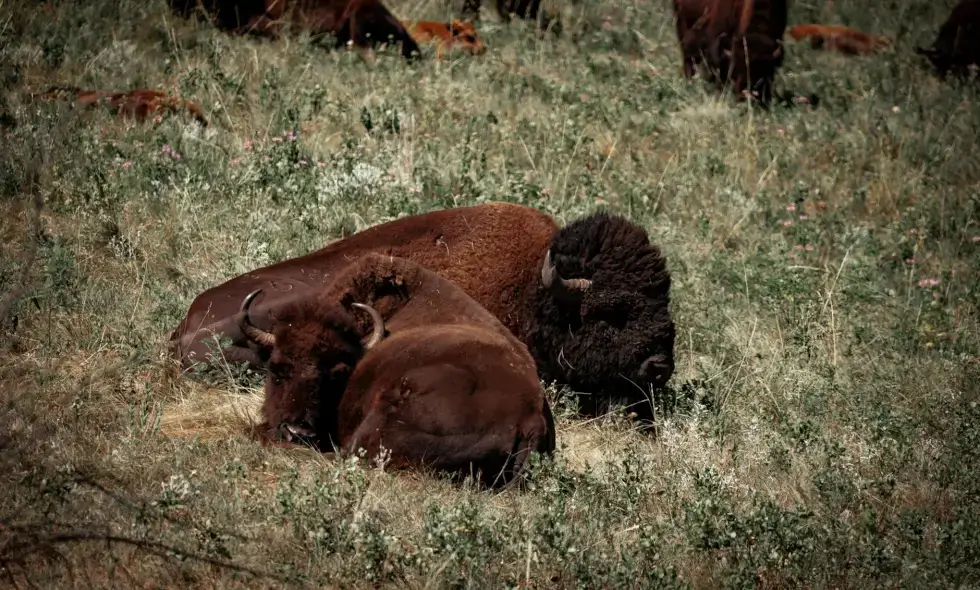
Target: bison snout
656,369
294,432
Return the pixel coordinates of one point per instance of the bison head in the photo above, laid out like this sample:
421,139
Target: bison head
312,352
601,322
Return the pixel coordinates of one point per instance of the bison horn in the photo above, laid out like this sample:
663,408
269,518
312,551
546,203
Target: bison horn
549,273
379,324
254,334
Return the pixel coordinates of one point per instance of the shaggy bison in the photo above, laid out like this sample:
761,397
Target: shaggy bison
589,300
362,22
439,383
842,39
740,41
137,104
448,35
956,49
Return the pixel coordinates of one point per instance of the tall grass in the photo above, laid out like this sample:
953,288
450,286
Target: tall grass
822,428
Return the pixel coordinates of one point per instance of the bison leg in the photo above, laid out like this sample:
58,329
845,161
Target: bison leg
260,25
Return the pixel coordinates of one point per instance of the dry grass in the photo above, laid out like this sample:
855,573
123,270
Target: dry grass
820,429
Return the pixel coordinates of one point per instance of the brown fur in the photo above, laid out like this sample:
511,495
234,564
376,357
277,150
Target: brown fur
453,243
449,387
842,39
447,35
138,104
740,41
364,23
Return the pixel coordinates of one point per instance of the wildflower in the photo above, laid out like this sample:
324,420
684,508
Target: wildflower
910,260
809,248
276,139
975,239
584,97
788,223
235,162
781,131
895,109
320,164
248,144
803,217
928,282
126,164
791,207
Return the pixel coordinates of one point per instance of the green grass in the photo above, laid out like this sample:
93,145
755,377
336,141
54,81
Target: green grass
822,428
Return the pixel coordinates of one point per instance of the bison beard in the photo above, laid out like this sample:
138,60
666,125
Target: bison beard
449,388
617,335
956,49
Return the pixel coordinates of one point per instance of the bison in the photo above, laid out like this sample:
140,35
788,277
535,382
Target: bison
448,35
525,9
136,104
740,41
956,49
363,23
589,300
842,39
439,383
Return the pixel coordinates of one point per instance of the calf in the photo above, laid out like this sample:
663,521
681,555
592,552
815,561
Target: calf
740,41
440,382
447,35
842,39
137,104
956,49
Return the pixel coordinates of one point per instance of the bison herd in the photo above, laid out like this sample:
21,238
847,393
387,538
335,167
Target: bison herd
427,338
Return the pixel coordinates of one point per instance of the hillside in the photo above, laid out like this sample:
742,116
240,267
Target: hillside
822,428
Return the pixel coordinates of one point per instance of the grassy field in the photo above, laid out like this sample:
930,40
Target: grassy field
822,428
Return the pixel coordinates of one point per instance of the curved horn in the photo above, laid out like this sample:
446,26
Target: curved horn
379,324
260,337
549,273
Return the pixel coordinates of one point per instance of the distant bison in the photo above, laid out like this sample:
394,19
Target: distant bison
137,104
439,383
589,300
956,49
457,33
524,9
362,22
740,41
842,39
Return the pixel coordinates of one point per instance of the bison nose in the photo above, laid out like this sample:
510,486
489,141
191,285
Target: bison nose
292,431
657,369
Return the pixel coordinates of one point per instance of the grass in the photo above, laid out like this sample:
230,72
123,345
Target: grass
822,428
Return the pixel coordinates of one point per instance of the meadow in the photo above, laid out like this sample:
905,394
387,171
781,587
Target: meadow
822,428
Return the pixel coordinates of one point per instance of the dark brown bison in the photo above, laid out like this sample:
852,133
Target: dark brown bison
364,23
589,300
838,38
956,49
440,382
137,104
739,41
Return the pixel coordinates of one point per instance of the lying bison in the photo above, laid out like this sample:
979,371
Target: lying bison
589,300
363,23
440,382
740,41
956,49
838,38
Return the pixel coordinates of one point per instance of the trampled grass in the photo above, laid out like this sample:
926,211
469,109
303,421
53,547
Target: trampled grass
822,428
